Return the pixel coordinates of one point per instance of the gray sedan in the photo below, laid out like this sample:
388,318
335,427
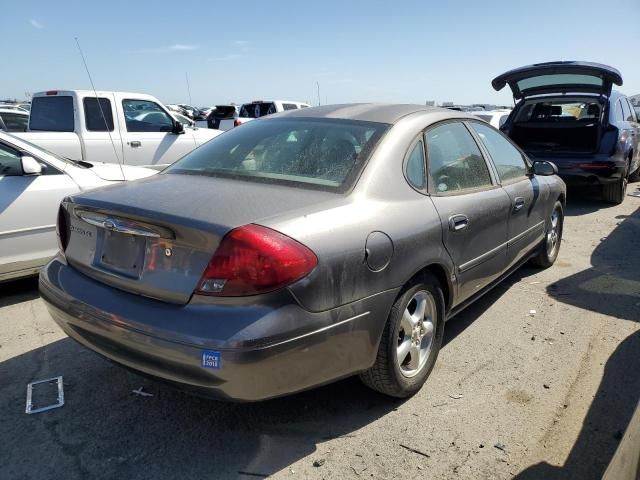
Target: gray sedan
302,248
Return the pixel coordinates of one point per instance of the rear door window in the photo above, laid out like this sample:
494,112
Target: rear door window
146,116
96,113
454,160
52,114
507,159
258,109
619,116
626,110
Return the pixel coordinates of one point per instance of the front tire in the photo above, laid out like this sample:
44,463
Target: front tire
552,238
410,342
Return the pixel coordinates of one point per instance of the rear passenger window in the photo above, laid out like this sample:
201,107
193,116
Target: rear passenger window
289,106
95,114
618,115
455,161
626,111
415,167
507,159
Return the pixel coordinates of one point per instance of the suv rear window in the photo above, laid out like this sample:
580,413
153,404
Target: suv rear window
52,114
223,111
558,79
325,154
257,110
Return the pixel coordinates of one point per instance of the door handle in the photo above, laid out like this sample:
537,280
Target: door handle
518,203
458,222
135,144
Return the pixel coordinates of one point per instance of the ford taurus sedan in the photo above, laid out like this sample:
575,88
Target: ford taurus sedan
302,248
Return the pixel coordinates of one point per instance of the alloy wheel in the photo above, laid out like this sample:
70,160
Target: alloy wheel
416,333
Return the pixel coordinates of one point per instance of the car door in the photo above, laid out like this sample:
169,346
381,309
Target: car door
473,209
634,129
527,196
148,137
28,211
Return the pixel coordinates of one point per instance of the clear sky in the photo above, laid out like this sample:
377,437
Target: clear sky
393,51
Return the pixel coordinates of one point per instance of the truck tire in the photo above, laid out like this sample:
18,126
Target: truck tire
410,342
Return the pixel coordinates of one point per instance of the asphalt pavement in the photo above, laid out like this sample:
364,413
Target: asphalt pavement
537,380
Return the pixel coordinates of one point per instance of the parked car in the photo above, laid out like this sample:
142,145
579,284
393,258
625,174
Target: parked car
260,108
14,106
138,129
223,117
286,254
13,120
495,118
568,113
191,112
184,120
33,182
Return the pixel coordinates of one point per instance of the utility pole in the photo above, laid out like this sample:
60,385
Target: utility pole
318,85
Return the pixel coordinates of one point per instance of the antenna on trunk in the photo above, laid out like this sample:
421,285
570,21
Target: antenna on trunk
104,118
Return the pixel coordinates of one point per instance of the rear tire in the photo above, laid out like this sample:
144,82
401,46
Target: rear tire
552,238
615,192
410,342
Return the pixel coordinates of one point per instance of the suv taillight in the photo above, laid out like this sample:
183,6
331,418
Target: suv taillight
61,230
237,123
253,259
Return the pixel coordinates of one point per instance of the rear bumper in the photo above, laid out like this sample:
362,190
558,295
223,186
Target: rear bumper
586,170
264,350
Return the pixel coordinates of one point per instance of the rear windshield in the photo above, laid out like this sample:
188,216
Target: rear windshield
558,79
318,153
256,110
224,112
52,114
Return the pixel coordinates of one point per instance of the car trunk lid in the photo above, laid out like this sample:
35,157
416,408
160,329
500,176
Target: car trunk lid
156,236
559,77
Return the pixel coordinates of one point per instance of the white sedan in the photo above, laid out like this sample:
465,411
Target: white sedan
32,184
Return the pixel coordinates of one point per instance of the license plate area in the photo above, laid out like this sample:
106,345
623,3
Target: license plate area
121,253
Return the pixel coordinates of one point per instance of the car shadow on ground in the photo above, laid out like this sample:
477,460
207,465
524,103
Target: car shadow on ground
611,287
18,291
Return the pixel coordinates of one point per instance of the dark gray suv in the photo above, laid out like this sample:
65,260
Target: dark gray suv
566,112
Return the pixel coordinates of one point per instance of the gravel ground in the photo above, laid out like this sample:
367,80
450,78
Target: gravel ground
513,394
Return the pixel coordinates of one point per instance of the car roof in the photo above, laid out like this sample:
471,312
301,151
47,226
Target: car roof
369,112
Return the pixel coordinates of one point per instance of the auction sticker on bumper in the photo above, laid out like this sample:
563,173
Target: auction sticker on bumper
211,359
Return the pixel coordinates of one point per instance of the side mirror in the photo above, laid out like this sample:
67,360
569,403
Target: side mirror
545,168
178,128
30,166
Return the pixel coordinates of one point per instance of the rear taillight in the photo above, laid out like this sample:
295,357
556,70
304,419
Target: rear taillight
253,259
61,230
237,123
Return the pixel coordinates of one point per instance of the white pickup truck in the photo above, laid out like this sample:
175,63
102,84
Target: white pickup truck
129,128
